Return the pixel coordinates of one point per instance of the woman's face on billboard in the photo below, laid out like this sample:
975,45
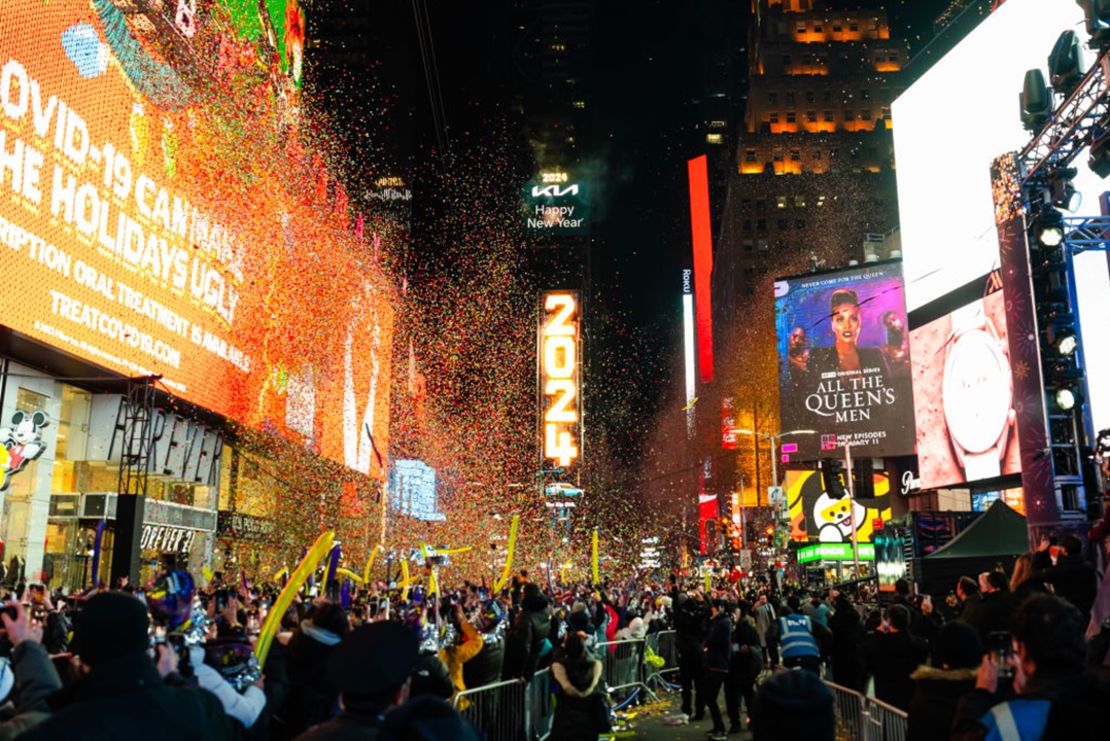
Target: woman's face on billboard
845,324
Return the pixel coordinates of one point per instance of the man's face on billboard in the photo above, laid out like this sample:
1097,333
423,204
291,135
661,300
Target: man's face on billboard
845,324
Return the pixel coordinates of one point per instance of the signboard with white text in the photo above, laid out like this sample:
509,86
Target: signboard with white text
559,364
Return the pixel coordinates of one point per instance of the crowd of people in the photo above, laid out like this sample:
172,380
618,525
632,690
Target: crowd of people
174,660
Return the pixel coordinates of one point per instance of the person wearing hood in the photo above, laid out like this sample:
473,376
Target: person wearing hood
892,655
848,634
956,653
312,697
122,693
525,641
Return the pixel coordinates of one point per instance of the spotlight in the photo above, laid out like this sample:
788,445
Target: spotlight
1066,343
1061,191
1036,101
1097,13
1065,399
1065,64
1099,161
1048,228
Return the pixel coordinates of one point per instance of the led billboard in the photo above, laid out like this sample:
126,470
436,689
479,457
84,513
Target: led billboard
964,396
185,236
412,490
556,203
948,128
559,363
844,362
818,515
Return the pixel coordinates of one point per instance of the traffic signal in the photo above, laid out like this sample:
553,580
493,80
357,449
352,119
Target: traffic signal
832,472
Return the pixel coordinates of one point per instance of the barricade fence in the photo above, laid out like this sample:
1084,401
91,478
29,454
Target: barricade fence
511,709
863,718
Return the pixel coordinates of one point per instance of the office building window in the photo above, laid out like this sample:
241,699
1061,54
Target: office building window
774,117
761,225
809,96
865,115
749,156
772,97
799,224
799,201
781,201
795,155
791,117
830,116
811,116
746,225
790,98
781,224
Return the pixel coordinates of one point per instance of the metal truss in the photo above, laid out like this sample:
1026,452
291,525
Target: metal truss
1072,126
1087,233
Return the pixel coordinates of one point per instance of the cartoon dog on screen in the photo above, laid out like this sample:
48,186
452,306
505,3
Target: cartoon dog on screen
829,519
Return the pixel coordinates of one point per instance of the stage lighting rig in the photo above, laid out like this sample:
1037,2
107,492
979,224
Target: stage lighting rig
1065,64
1047,228
1036,101
1062,193
1097,14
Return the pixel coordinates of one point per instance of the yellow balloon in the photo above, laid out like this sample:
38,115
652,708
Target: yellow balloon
308,564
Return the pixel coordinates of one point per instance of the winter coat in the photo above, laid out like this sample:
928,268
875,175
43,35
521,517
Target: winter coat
485,668
746,664
991,612
455,657
126,699
936,694
891,659
35,681
578,717
848,668
312,698
1072,578
525,640
718,644
764,618
346,726
1067,706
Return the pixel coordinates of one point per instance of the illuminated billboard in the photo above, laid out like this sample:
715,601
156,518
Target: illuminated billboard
964,396
701,235
820,516
559,362
844,361
948,128
412,490
188,238
557,203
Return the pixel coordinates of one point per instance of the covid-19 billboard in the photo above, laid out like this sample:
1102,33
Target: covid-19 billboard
844,362
159,215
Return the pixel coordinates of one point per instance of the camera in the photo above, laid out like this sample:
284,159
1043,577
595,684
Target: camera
1000,644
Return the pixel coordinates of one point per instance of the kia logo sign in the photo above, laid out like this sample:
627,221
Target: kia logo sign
554,191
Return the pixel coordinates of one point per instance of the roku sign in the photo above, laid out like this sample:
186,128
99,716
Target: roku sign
559,381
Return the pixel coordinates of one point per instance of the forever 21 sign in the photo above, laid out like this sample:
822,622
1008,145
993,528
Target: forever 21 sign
559,379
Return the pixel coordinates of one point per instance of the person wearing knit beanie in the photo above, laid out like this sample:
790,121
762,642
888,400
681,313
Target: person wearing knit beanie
111,625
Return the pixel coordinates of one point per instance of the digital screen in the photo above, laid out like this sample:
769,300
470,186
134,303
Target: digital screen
948,128
818,515
556,203
835,552
159,215
844,362
963,396
560,385
412,490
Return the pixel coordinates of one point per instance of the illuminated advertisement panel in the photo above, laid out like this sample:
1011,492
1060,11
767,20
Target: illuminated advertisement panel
557,203
412,490
944,163
150,226
559,359
844,361
701,234
819,516
964,396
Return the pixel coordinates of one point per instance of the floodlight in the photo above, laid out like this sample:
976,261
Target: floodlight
1097,13
1066,343
1048,228
1065,64
1036,101
1061,191
1065,399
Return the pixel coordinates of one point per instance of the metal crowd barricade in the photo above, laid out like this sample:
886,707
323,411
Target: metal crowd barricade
540,704
624,666
498,710
664,646
863,718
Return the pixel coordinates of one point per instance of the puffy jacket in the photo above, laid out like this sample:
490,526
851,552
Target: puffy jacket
525,641
35,681
718,644
485,668
454,657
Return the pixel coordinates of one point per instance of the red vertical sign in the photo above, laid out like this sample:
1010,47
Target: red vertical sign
702,237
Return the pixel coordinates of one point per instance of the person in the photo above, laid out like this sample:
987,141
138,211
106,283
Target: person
581,712
371,670
1049,697
848,669
797,637
1072,578
764,618
312,698
845,323
820,610
892,654
992,612
28,678
691,624
1023,585
747,662
455,656
530,629
955,655
794,706
485,668
245,706
122,693
924,622
718,661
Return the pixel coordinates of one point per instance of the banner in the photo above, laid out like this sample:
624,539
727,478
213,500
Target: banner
844,361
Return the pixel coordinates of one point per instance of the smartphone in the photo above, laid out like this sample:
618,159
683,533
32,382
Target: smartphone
1001,645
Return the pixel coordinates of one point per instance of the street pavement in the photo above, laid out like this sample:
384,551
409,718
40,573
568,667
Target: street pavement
651,726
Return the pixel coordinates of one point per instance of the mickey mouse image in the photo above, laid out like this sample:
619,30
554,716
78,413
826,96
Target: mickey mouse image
22,444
